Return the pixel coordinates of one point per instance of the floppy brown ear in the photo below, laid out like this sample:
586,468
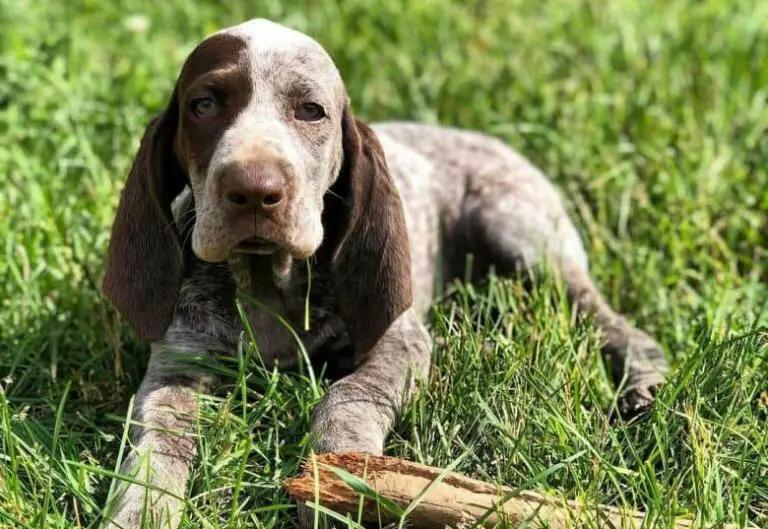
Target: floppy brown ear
370,259
144,260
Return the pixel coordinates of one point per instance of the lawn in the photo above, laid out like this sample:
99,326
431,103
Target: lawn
650,116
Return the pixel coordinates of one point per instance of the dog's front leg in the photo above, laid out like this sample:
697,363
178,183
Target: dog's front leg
163,443
359,410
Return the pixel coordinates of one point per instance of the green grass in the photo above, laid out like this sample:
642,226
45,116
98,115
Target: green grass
650,116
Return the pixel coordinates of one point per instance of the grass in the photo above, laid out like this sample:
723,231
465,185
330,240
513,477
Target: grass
651,117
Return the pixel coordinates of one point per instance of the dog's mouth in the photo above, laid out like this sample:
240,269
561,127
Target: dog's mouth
257,246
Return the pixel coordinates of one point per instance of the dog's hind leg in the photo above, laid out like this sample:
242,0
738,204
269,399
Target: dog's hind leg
631,351
514,219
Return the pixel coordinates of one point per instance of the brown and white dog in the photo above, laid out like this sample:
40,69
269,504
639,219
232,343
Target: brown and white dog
257,164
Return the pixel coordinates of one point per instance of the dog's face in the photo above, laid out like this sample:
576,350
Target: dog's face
259,136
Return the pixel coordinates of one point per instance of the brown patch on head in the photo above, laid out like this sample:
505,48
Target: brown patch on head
218,68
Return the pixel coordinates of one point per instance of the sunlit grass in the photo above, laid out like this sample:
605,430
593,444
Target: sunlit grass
650,116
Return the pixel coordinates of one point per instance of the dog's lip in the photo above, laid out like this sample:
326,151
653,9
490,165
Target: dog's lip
256,245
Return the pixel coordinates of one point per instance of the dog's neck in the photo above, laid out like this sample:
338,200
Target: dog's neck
274,280
259,272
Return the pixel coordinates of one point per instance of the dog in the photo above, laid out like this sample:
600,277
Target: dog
258,165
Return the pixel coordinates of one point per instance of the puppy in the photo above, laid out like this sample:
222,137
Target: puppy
258,164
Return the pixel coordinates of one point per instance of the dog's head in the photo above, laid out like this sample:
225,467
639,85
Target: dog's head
259,128
259,135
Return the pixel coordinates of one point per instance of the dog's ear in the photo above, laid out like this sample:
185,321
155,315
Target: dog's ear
367,238
144,262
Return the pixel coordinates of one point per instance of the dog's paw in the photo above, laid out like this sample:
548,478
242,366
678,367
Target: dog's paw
136,507
636,400
646,369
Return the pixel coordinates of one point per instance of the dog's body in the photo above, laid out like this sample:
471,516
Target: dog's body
385,223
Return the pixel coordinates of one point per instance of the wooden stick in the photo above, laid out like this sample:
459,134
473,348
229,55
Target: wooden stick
454,500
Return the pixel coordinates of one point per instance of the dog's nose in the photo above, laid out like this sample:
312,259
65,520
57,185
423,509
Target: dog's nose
258,187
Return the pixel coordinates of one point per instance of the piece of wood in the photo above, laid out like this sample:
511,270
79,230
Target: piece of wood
454,501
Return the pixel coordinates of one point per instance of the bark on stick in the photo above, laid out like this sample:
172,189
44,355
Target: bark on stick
452,499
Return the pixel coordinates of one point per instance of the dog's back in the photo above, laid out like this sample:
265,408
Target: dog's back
466,192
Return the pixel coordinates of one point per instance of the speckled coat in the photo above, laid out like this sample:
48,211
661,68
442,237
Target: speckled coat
380,216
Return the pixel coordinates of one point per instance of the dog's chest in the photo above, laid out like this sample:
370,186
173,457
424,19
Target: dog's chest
301,308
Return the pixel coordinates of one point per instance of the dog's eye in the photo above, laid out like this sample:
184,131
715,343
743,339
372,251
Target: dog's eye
309,112
204,107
